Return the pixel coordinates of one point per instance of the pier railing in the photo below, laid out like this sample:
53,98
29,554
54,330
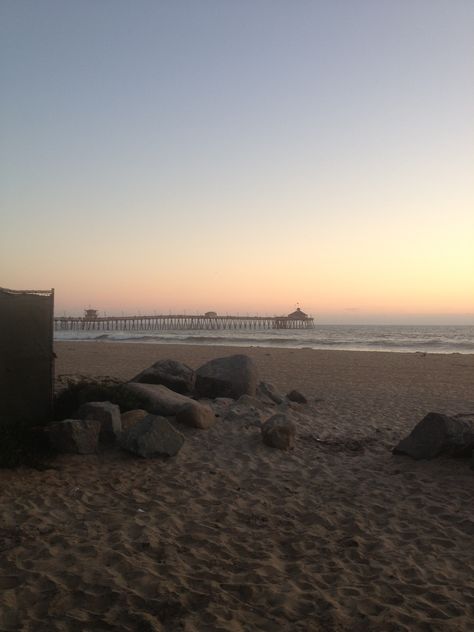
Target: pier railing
179,322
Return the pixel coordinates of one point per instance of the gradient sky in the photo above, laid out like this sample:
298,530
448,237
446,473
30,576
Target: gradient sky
240,156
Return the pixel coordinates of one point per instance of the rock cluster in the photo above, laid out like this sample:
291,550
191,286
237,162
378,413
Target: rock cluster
170,391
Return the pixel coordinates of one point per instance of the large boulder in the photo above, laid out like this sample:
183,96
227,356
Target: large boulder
174,375
160,400
436,434
152,436
78,436
231,376
279,432
109,416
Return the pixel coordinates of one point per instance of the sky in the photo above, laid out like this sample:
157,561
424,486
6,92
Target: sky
240,157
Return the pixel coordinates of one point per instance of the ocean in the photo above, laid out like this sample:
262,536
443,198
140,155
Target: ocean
401,338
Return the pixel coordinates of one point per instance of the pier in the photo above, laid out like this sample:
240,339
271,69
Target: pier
178,322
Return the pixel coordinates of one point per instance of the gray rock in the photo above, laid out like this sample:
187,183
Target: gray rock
109,416
279,432
196,415
160,400
131,417
152,436
231,376
77,436
296,396
436,434
268,392
174,375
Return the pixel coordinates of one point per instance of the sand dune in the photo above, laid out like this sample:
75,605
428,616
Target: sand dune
233,536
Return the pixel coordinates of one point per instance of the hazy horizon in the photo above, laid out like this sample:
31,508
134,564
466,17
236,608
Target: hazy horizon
241,157
350,319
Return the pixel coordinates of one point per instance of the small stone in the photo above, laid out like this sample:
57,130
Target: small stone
279,432
269,393
296,396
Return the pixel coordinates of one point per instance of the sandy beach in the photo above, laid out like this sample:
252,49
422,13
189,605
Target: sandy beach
234,536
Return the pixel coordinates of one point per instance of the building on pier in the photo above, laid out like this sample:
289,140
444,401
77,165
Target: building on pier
296,320
298,315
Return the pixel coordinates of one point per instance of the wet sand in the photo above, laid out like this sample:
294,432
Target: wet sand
233,536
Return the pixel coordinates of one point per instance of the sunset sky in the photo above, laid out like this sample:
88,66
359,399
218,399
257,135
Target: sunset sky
240,156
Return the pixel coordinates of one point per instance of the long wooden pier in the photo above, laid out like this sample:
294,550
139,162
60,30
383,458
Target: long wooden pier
179,322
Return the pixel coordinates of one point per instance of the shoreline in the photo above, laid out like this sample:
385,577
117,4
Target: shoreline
128,341
316,372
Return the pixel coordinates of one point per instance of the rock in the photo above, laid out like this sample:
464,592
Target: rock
160,400
268,392
436,434
231,376
279,432
109,416
130,418
296,396
79,436
174,375
152,436
196,415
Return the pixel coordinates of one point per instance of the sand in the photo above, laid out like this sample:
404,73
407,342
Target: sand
232,535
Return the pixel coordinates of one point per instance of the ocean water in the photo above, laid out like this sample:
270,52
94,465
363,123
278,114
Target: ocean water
401,338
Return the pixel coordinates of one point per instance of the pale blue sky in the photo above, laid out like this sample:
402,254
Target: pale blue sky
239,140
